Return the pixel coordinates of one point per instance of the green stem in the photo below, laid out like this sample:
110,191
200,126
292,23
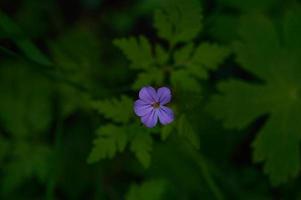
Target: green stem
202,163
50,194
209,179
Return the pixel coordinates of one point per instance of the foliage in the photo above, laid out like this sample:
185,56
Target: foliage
152,189
240,103
67,90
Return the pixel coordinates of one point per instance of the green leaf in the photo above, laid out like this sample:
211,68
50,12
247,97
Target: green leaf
28,161
183,55
117,110
141,145
149,190
4,148
111,140
76,54
149,77
25,100
179,20
161,55
138,51
240,103
205,57
186,131
166,131
209,56
183,80
13,31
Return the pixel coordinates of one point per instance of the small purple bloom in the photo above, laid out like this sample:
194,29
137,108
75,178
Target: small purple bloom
150,106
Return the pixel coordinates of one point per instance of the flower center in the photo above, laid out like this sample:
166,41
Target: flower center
156,105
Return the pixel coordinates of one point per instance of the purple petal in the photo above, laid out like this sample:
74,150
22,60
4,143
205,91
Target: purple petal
165,115
164,95
150,120
148,94
141,108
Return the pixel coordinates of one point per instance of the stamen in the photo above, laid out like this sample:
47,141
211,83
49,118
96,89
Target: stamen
156,105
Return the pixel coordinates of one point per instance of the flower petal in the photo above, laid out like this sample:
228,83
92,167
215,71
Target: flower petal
165,115
150,120
164,95
141,108
148,94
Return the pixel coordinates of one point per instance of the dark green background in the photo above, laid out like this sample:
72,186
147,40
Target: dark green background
47,125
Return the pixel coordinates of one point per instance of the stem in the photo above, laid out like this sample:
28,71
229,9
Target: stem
202,163
50,191
209,179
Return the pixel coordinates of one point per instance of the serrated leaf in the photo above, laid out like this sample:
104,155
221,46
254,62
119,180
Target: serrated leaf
137,50
141,145
76,54
149,77
186,131
183,80
117,110
179,20
149,190
183,55
166,131
277,63
205,57
161,55
111,140
209,56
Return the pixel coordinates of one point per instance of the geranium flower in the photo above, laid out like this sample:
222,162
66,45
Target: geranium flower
150,106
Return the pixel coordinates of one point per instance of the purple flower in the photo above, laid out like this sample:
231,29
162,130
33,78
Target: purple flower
150,106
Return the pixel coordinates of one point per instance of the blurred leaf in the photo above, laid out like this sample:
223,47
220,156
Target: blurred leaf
262,53
250,5
183,80
179,20
186,131
149,77
197,61
25,101
141,145
166,131
111,140
149,190
182,55
116,110
76,54
138,51
209,56
161,55
4,148
14,32
28,161
222,22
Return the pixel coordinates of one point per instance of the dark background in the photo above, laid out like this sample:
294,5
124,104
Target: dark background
47,123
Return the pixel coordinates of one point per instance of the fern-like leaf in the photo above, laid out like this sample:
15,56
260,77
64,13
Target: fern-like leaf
137,50
111,140
179,20
117,110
